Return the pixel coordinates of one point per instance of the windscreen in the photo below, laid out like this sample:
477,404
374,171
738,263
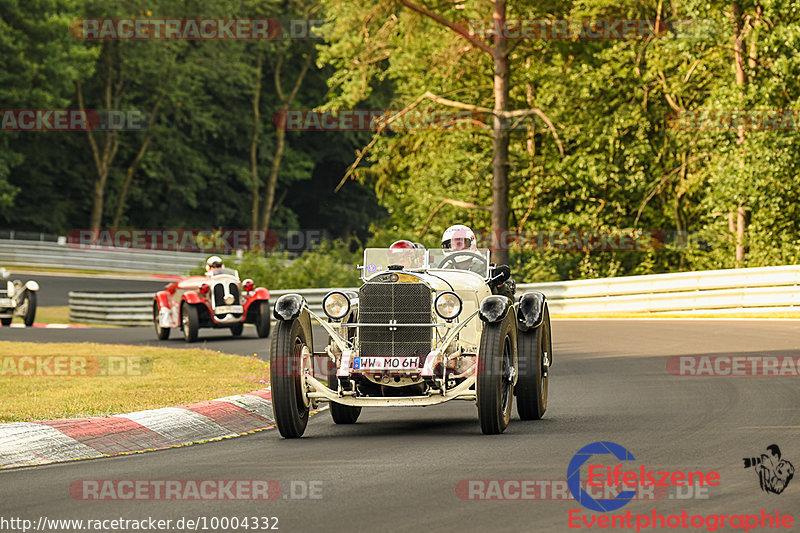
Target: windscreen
378,259
475,261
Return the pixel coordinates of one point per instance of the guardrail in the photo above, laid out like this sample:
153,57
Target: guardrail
713,291
120,309
17,253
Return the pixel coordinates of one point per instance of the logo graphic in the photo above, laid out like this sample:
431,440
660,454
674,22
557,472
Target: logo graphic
774,473
574,477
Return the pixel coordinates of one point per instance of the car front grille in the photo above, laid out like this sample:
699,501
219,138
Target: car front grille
219,293
403,303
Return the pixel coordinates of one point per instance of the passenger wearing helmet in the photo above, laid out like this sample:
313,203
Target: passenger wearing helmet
406,253
213,263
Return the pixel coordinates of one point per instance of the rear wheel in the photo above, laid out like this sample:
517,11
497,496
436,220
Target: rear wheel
236,329
496,375
262,320
190,322
341,414
29,308
535,356
161,333
286,370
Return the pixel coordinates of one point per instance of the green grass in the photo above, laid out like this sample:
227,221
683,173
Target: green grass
160,377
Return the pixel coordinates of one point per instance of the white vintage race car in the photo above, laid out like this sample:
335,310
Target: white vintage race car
425,328
17,299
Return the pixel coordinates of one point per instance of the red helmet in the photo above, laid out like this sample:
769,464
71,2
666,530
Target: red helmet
403,253
401,245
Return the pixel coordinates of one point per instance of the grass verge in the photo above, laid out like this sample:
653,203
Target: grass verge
154,377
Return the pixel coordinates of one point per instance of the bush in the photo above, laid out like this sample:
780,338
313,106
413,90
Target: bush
330,265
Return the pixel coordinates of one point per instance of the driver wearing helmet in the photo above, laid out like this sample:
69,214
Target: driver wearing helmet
213,262
405,253
462,238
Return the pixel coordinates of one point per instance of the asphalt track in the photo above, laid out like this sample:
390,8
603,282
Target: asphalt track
54,289
398,469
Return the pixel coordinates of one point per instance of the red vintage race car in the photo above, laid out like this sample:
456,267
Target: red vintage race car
216,300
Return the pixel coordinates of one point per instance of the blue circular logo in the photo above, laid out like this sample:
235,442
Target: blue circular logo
372,267
574,477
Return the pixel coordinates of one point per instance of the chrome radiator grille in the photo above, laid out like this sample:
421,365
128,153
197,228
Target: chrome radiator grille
403,303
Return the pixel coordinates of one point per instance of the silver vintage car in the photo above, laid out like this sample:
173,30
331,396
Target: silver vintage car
426,327
17,299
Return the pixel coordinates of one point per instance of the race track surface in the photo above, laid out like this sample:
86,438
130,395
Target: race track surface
54,289
399,469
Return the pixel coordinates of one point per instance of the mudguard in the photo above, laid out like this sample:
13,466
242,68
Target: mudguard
194,298
531,310
162,299
494,308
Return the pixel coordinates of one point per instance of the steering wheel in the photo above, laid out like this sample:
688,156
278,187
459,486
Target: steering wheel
451,258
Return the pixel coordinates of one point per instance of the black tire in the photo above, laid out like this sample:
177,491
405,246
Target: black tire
161,333
494,388
190,322
532,383
30,313
236,329
5,321
341,414
291,412
262,320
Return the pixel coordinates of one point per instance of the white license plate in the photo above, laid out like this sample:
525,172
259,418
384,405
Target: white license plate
225,309
5,302
386,363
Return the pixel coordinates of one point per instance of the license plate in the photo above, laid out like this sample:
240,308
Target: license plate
5,302
225,309
386,363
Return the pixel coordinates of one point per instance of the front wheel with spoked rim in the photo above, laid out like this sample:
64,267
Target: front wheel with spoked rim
288,357
495,382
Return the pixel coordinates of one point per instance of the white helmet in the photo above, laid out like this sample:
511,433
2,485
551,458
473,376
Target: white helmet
213,262
459,237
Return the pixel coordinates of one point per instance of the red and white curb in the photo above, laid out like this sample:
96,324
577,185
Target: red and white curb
51,441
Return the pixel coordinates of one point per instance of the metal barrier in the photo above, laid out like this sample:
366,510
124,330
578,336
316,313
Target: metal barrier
120,309
17,253
714,291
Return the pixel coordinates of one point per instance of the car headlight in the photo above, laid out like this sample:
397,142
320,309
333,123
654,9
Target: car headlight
336,305
448,305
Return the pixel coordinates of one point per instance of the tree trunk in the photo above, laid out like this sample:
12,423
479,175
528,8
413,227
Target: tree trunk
138,159
739,48
254,142
272,180
500,203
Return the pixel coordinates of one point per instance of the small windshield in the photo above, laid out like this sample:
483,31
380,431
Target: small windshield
378,259
223,272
